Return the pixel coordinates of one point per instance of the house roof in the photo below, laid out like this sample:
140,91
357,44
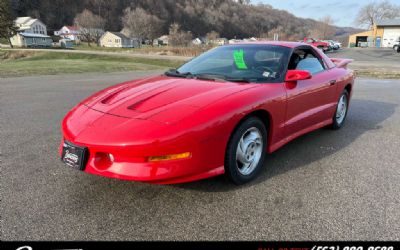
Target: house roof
33,35
388,22
25,22
164,37
72,28
120,35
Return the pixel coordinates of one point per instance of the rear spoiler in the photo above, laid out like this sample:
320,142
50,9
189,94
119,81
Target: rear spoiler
341,63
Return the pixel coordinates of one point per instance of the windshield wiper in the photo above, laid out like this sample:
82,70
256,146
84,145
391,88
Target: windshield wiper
205,76
210,77
176,73
216,77
246,80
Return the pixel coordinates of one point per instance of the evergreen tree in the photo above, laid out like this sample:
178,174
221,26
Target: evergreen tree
7,28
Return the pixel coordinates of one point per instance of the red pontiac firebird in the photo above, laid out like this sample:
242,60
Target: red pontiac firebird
218,114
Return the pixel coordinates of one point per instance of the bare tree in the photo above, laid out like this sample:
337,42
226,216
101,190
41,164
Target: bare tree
178,37
98,5
213,35
324,29
243,1
140,24
91,27
231,19
370,13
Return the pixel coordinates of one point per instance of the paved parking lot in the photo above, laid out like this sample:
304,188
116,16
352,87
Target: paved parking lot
323,186
380,62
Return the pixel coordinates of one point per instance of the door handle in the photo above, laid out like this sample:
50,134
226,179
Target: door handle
333,82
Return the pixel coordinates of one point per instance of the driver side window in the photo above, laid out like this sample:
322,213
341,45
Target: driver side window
306,59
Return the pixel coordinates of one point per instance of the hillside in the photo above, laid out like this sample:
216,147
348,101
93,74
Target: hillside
227,17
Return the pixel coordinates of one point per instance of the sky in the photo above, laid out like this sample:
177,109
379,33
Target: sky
343,12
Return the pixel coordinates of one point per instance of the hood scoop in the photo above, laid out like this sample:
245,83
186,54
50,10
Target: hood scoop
110,98
136,106
159,97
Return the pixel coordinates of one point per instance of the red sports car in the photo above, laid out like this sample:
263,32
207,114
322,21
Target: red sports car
218,114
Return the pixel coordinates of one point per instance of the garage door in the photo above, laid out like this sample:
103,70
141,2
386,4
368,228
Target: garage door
390,36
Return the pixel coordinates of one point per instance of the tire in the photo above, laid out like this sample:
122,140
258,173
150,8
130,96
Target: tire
250,138
339,118
395,48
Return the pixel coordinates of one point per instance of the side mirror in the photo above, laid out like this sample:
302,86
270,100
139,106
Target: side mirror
297,75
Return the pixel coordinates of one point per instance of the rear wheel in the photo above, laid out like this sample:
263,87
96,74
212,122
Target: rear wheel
341,111
245,153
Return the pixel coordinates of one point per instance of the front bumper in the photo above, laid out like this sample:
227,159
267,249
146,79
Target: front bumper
133,168
131,142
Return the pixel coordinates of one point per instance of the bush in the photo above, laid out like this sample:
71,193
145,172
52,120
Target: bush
14,55
178,37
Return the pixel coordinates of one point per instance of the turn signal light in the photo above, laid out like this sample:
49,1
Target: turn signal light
170,157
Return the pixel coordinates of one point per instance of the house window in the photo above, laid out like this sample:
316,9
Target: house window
117,40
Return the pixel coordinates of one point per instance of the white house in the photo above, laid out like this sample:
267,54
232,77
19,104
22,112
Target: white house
197,41
219,41
163,40
69,32
30,25
117,40
31,33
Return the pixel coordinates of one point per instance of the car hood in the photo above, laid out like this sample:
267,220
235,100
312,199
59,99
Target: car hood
162,99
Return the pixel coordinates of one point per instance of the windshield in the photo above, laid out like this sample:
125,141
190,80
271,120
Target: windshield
244,63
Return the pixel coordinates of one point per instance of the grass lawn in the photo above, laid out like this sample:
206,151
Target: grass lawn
191,51
26,63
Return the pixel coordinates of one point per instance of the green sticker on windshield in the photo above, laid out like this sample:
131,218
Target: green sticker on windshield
238,56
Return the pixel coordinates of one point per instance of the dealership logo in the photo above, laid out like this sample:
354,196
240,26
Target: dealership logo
30,248
25,248
71,157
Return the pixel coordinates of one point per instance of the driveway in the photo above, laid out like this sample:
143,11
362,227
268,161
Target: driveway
327,185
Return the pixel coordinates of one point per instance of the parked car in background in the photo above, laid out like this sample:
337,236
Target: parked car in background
64,43
335,45
332,45
338,44
324,46
396,45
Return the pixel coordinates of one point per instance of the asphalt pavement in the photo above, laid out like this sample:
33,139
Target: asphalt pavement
375,59
327,185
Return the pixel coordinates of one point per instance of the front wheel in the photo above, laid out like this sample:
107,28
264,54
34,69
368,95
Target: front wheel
341,111
245,152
